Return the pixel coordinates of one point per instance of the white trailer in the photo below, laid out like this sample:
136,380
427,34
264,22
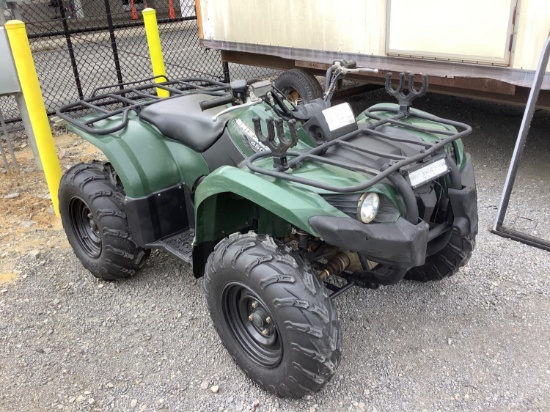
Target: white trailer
479,48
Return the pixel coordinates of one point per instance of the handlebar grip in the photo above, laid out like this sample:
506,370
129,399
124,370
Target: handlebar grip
349,64
220,101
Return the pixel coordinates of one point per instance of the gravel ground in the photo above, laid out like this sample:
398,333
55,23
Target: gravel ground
476,342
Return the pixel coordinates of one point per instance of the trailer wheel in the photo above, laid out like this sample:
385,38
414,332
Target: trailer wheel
272,314
92,213
298,84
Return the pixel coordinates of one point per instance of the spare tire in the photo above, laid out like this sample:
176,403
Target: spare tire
297,84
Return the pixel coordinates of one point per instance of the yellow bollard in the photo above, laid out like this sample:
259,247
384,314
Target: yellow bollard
24,63
155,50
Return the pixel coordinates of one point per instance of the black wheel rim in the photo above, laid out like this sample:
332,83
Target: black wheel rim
85,227
252,325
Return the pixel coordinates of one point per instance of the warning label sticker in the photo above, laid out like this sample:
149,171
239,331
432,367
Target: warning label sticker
339,116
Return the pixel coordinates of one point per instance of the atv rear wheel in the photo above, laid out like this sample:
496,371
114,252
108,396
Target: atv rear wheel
447,261
298,84
272,314
92,213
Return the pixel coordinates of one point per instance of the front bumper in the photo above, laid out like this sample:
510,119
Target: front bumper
401,244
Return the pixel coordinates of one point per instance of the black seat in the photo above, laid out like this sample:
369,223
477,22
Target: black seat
182,119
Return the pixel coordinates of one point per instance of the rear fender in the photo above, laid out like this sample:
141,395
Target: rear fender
145,160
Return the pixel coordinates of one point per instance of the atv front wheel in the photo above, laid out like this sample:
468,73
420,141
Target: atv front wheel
92,213
298,84
272,314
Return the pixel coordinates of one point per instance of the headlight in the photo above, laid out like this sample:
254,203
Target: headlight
350,204
367,207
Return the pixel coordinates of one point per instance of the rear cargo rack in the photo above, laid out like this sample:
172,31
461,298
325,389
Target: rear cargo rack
395,162
132,96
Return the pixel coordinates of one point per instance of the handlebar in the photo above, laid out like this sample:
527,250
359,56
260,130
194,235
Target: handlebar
362,69
220,101
337,71
348,64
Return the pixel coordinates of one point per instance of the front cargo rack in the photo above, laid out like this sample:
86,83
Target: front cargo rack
394,164
120,99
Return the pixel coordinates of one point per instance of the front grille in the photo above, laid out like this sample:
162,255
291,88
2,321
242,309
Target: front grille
344,203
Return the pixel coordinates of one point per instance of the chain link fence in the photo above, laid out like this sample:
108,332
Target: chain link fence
79,45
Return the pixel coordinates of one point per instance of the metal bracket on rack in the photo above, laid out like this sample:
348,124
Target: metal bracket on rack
405,99
278,149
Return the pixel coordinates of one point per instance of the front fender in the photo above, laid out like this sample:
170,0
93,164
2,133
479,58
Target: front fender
217,216
145,160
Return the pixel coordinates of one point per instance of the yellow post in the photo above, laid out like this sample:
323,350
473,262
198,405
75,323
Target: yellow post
24,63
155,50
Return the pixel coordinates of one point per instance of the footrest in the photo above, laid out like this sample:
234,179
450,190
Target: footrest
180,245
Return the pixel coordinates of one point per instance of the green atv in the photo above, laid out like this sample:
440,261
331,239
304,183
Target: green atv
281,204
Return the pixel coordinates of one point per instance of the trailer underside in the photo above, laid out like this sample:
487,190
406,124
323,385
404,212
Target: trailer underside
479,81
